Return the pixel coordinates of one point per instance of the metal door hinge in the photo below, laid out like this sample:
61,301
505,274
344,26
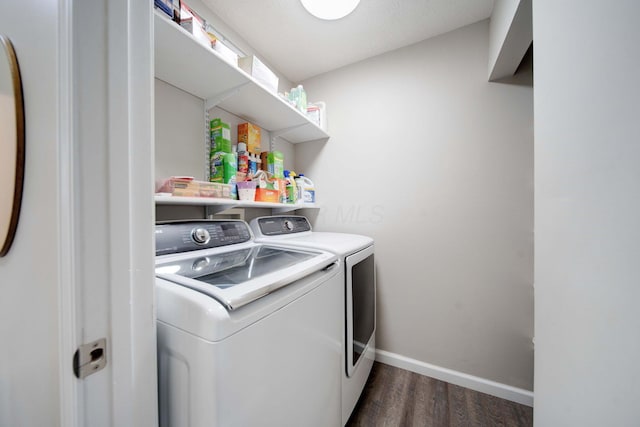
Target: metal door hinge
90,358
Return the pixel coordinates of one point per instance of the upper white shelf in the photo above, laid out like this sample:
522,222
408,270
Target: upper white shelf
220,205
185,63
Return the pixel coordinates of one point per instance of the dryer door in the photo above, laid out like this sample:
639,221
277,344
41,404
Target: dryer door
360,307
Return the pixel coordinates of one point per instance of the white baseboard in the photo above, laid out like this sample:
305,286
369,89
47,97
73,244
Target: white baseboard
504,391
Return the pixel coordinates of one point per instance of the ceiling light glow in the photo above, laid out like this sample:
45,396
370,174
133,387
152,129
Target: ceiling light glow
330,9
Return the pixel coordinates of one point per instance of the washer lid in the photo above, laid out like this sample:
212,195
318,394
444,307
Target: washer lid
240,276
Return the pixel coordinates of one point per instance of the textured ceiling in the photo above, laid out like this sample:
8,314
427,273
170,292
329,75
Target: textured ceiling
302,46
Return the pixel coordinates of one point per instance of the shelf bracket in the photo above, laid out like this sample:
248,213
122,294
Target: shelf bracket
291,208
285,209
278,133
216,209
211,102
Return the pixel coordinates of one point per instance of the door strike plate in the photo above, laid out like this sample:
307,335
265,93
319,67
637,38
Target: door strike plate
90,358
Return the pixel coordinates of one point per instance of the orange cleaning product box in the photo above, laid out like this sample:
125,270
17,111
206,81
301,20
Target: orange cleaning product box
267,195
271,190
250,135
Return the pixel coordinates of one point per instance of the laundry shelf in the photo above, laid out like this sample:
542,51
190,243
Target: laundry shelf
219,205
257,105
187,64
183,62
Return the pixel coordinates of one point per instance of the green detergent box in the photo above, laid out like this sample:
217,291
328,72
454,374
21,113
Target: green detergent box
220,144
220,133
230,168
216,167
275,164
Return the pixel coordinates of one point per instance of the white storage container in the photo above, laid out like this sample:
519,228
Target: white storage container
253,66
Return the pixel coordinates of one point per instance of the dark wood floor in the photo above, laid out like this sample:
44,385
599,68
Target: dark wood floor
394,397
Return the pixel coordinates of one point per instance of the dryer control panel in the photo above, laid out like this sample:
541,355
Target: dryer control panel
281,225
184,236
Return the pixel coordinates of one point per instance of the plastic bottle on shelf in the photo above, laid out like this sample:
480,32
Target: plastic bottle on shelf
243,159
294,97
254,163
306,189
292,190
302,100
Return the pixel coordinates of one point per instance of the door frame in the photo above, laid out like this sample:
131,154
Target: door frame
106,209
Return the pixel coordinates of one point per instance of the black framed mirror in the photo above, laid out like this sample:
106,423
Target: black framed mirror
12,144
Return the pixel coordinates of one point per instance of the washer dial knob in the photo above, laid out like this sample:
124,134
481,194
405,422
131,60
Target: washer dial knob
288,225
200,235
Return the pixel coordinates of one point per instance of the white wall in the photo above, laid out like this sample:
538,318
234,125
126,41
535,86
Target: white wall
436,164
587,157
29,275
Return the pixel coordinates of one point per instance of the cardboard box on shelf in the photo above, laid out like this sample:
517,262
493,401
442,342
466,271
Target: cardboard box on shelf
194,24
215,189
216,166
220,136
253,66
267,195
220,144
275,164
250,135
317,113
183,186
225,52
166,6
270,189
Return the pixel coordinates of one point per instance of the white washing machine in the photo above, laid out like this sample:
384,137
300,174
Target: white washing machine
356,254
249,334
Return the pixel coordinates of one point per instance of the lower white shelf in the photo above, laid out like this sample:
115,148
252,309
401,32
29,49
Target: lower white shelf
220,205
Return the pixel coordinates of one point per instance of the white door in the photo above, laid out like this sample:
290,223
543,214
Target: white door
81,265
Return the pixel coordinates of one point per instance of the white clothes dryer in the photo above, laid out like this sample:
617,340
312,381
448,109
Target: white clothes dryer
249,334
356,255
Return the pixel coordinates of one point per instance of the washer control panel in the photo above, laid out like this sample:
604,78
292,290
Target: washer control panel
184,236
279,225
